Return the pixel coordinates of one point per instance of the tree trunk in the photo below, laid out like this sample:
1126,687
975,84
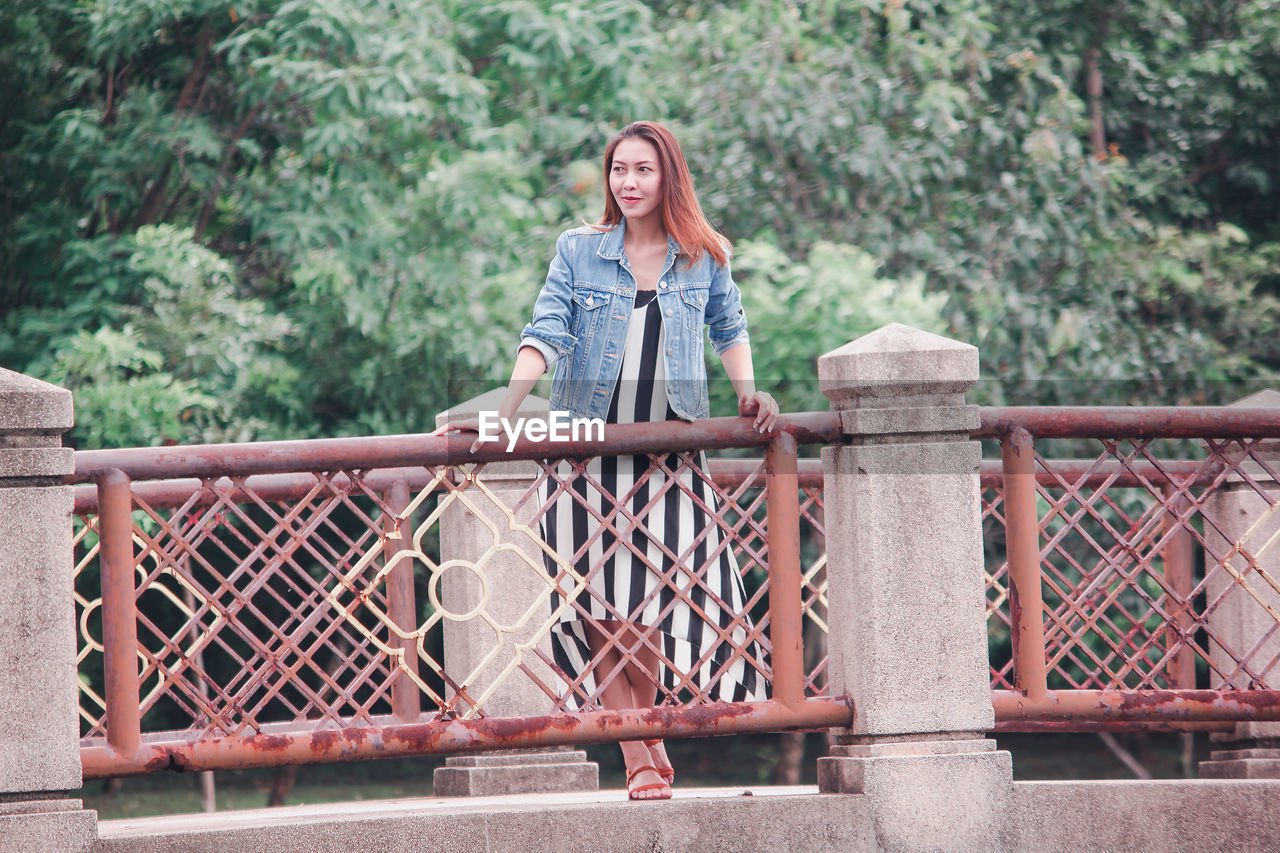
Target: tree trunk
1093,85
282,784
153,201
790,759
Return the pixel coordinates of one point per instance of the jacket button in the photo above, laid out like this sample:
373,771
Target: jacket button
671,352
668,312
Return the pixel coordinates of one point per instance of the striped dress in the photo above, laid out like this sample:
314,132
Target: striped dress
706,574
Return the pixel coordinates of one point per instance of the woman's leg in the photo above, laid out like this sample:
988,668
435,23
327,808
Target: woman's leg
628,688
642,673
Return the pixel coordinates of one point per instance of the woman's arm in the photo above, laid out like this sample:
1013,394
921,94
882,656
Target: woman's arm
737,363
543,340
530,365
548,331
727,322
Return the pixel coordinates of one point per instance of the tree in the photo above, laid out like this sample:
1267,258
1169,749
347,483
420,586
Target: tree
371,190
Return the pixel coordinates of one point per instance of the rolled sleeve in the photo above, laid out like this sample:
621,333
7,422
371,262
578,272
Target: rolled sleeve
548,331
549,353
725,317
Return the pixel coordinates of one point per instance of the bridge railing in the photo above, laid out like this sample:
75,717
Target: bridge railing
1136,583
285,602
289,602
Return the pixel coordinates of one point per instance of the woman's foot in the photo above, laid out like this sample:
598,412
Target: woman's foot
658,757
644,781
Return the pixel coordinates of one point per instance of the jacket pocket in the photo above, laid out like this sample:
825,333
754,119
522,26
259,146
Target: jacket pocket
695,303
588,312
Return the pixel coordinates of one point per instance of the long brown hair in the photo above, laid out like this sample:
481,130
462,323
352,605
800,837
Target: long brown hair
682,216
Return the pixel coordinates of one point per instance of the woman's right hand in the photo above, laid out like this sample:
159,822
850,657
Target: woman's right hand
530,365
466,425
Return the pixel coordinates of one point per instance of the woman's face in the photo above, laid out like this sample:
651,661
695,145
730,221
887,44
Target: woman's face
635,178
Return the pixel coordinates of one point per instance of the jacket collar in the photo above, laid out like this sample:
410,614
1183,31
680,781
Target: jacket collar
611,247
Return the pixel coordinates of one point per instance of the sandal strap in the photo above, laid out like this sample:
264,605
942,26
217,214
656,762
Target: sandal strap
631,774
632,790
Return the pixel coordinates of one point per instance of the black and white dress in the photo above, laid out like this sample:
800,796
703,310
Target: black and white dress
704,571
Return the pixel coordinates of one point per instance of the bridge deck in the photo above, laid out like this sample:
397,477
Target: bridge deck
755,818
1081,817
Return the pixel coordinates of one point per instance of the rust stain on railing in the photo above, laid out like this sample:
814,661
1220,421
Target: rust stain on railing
390,737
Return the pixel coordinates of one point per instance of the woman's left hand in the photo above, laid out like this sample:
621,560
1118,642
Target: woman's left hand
762,405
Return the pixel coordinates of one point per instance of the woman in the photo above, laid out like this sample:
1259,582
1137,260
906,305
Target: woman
621,317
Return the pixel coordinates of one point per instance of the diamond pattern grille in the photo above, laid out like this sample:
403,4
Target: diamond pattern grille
257,607
1150,579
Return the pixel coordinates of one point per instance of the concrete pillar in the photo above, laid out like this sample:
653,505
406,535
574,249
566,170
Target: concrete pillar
907,606
39,721
507,589
1250,519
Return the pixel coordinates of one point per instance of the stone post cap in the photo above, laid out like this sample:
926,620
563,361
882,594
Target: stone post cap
1265,399
1269,448
489,401
29,406
896,361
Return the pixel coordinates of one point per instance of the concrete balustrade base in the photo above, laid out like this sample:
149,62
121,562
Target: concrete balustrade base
47,826
945,794
694,820
1158,816
1255,763
516,772
848,767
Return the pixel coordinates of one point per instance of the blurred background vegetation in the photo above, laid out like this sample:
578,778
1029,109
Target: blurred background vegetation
231,220
251,219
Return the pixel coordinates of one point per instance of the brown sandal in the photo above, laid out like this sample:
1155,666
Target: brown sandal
668,774
652,786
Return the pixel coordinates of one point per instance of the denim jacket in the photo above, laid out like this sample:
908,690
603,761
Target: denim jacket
580,321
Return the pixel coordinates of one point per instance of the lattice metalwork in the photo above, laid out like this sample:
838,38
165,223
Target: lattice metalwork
331,604
277,617
88,599
996,574
1156,574
234,627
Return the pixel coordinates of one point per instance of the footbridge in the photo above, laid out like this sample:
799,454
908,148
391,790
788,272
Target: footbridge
920,572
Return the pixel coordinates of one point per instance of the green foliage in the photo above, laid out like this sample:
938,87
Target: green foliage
929,137
191,361
797,309
250,219
122,392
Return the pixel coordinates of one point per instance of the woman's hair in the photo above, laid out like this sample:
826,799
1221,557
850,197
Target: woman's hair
682,216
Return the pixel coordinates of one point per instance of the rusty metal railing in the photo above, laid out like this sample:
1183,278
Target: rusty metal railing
256,604
270,597
1139,586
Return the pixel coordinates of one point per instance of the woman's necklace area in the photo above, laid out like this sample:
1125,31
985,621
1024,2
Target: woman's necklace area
646,263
